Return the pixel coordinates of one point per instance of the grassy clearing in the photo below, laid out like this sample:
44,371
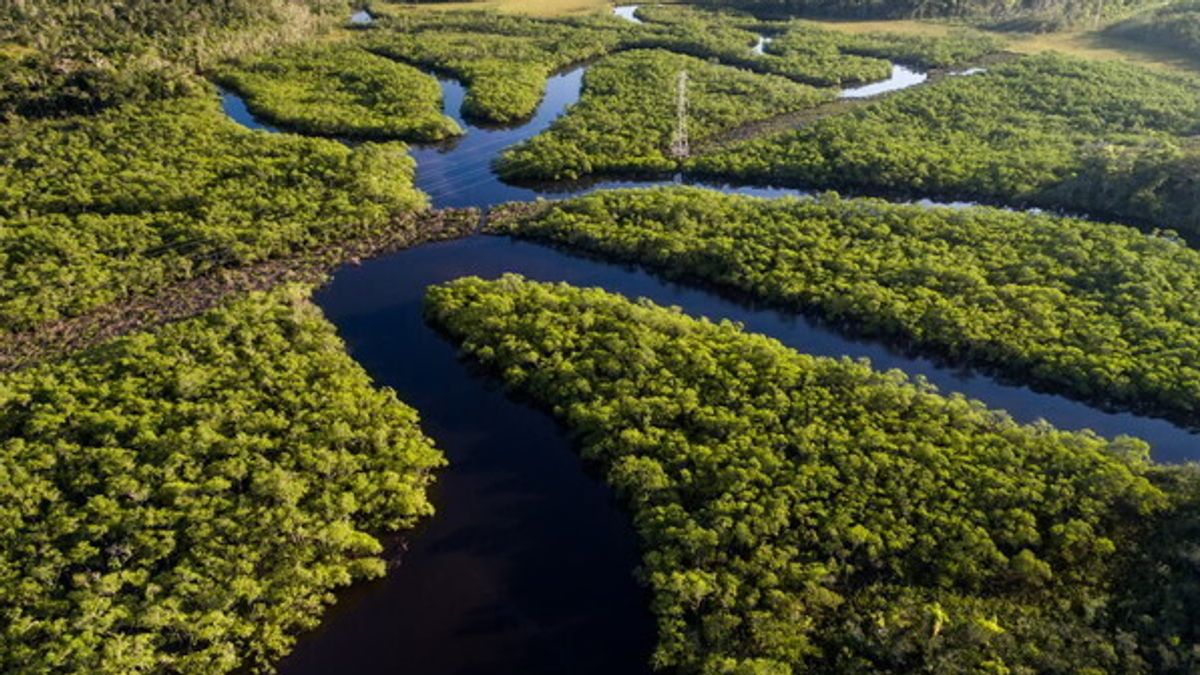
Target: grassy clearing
899,26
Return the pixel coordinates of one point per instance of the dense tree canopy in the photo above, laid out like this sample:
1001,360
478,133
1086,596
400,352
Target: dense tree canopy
1176,25
1102,312
504,60
626,117
957,47
186,501
1016,14
805,51
1051,131
731,38
341,90
94,208
75,56
805,514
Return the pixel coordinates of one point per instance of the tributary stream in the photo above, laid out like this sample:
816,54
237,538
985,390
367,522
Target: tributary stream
527,566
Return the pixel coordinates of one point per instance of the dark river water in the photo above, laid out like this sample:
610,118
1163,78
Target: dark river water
528,565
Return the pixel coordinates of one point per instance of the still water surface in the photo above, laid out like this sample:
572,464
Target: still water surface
526,568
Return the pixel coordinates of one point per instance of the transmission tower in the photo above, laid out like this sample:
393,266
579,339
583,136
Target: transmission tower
679,141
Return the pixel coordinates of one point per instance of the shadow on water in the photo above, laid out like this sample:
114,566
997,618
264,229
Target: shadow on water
527,566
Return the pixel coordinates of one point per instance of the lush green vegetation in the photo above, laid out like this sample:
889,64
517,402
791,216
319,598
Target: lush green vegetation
803,51
815,59
1030,15
1102,312
1047,131
95,208
186,501
61,57
341,90
806,514
1176,25
924,51
807,52
626,116
503,60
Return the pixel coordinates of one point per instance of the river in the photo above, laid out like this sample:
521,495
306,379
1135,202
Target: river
526,568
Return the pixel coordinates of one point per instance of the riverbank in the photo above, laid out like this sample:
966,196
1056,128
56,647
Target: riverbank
844,103
189,298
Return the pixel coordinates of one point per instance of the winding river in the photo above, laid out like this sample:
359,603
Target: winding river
526,568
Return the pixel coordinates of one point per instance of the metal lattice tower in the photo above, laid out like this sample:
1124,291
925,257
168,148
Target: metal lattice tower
679,141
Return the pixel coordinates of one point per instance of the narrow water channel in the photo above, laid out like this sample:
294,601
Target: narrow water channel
459,173
527,566
902,77
627,12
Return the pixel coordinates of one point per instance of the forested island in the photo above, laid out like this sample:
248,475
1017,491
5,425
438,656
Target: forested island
814,515
1096,310
243,367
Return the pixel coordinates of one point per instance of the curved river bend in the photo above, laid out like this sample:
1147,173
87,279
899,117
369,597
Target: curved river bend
526,568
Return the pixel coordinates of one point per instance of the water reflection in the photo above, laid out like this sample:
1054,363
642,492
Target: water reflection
627,12
492,256
235,107
526,568
902,77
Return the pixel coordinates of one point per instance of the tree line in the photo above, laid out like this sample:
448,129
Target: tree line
1021,15
1101,312
63,57
187,500
1109,139
1175,25
95,208
805,51
343,91
802,514
627,115
503,59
